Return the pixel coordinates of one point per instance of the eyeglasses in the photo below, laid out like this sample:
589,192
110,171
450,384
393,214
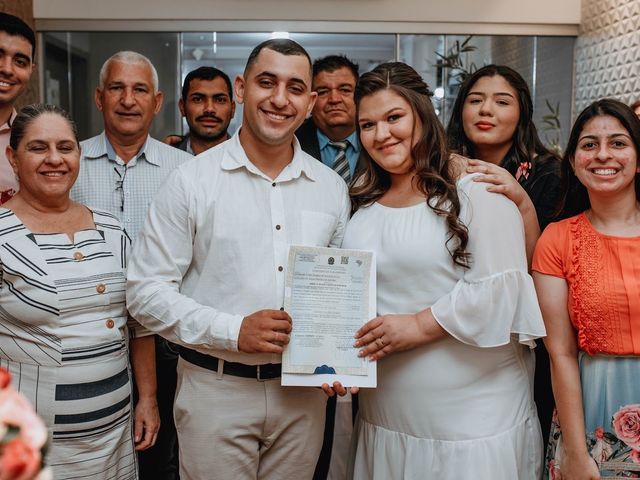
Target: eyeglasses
120,185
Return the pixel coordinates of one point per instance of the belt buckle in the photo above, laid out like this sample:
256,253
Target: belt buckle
258,374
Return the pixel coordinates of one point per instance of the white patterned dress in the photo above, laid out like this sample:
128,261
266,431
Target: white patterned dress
63,337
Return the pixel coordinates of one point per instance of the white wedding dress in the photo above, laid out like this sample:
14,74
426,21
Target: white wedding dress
461,407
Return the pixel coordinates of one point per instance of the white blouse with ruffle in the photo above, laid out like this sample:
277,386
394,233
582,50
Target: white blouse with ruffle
462,405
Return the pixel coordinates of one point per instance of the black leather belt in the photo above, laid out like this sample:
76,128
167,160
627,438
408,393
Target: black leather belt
266,371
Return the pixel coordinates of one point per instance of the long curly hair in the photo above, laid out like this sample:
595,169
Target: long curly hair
575,198
434,175
526,146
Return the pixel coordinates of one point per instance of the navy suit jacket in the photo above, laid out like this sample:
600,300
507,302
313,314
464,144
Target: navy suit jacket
308,137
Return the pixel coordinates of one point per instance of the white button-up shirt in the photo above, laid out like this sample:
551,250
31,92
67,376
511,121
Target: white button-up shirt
214,247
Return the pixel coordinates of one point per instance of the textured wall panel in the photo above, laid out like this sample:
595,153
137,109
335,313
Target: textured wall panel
607,54
517,52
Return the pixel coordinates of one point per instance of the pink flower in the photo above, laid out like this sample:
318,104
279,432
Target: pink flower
5,378
17,411
523,170
553,469
626,423
599,433
6,195
635,456
20,456
18,461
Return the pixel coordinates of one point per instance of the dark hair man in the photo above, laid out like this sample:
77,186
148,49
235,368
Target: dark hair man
330,134
208,106
199,277
17,55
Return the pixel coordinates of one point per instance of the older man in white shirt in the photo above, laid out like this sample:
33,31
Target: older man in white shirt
208,273
123,168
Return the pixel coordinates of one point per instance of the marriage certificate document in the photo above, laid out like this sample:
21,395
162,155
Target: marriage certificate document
329,293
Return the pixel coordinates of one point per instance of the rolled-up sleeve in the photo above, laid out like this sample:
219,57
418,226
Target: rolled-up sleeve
495,297
161,256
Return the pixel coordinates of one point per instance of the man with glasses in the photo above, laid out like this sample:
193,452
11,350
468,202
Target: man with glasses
122,170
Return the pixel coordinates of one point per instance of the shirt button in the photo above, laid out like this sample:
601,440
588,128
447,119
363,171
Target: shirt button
278,227
282,309
280,268
273,184
110,323
77,256
101,288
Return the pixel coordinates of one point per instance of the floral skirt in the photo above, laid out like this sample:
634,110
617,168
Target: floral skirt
611,399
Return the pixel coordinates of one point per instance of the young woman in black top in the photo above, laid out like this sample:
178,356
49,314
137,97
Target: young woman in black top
492,122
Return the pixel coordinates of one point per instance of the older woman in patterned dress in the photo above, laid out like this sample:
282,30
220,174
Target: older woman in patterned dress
63,322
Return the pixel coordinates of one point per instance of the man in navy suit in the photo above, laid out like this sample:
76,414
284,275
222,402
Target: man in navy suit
333,118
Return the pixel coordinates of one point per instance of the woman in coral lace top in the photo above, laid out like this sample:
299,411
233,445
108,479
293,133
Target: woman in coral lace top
587,274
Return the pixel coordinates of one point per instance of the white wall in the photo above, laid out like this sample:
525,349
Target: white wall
607,52
418,16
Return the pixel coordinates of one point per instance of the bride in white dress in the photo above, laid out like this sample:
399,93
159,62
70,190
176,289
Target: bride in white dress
458,314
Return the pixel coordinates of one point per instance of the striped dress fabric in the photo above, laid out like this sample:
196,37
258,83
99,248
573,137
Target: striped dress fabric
63,337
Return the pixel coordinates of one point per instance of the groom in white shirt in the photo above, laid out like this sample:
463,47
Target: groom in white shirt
208,270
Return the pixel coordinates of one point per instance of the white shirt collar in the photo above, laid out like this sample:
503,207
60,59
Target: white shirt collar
235,157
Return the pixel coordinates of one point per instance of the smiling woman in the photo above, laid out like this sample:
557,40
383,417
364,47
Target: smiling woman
63,321
457,310
492,120
46,160
388,131
587,274
605,160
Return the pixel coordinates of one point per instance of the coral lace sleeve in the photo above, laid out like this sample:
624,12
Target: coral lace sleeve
603,275
548,257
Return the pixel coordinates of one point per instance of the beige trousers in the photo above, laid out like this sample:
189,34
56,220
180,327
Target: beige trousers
233,428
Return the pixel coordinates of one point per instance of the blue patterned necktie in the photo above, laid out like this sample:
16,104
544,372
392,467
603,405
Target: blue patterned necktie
340,162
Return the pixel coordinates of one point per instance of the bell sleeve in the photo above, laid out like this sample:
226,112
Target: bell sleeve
495,298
